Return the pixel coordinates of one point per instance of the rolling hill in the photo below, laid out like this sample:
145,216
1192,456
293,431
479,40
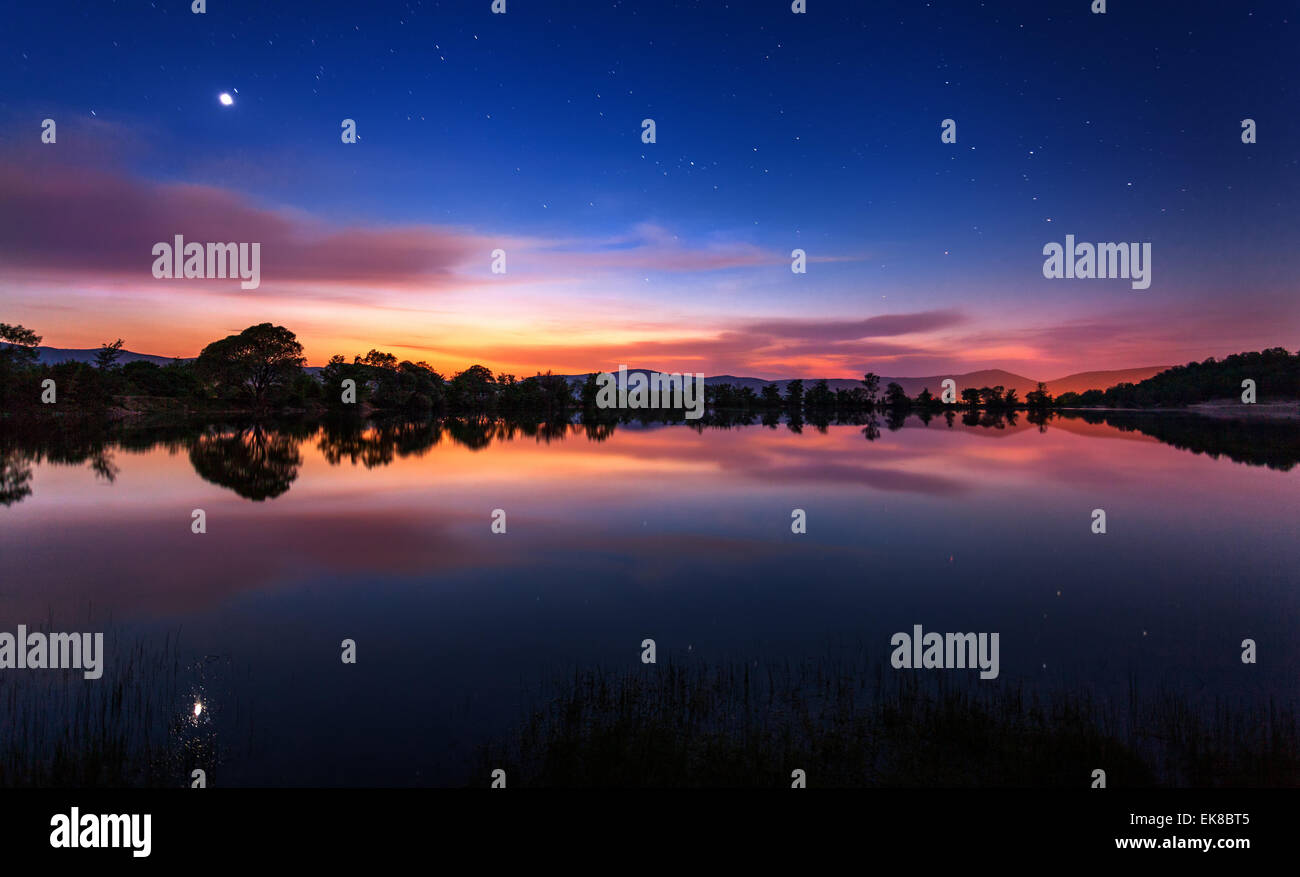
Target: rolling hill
1077,383
56,355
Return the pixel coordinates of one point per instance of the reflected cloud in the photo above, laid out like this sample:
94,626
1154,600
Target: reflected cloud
412,498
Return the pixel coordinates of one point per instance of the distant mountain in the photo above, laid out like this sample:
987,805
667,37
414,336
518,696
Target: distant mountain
56,355
1076,383
1102,380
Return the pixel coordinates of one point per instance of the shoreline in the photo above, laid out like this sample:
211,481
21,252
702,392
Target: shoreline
1223,410
134,409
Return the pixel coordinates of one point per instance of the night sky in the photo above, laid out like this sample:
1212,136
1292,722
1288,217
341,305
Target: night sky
774,131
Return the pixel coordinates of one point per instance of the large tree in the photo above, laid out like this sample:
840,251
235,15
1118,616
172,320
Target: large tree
255,363
474,388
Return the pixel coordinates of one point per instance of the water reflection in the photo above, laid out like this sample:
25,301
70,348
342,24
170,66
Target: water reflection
1271,443
261,461
320,530
256,462
357,441
15,477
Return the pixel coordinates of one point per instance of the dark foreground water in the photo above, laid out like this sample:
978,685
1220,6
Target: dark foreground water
382,535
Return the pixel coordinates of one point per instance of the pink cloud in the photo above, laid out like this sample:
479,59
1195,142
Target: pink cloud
852,330
103,224
86,222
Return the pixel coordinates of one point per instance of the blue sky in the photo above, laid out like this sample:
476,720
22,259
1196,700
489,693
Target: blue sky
774,131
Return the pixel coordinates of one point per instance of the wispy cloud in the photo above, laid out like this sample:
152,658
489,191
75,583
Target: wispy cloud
100,224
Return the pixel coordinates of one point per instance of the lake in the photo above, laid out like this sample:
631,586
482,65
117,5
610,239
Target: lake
382,534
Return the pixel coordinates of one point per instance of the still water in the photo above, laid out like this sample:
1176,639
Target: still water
382,534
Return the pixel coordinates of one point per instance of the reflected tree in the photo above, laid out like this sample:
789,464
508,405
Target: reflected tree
256,463
15,477
104,466
872,430
377,444
992,420
474,433
598,432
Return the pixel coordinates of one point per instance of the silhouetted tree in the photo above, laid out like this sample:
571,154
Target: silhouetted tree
1275,371
871,386
256,363
1038,398
474,388
991,397
819,397
338,370
18,346
794,396
895,397
18,354
107,355
589,390
377,359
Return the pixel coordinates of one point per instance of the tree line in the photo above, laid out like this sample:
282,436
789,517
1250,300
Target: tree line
1275,373
262,369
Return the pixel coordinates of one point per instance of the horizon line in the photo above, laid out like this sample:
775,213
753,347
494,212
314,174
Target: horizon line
630,368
